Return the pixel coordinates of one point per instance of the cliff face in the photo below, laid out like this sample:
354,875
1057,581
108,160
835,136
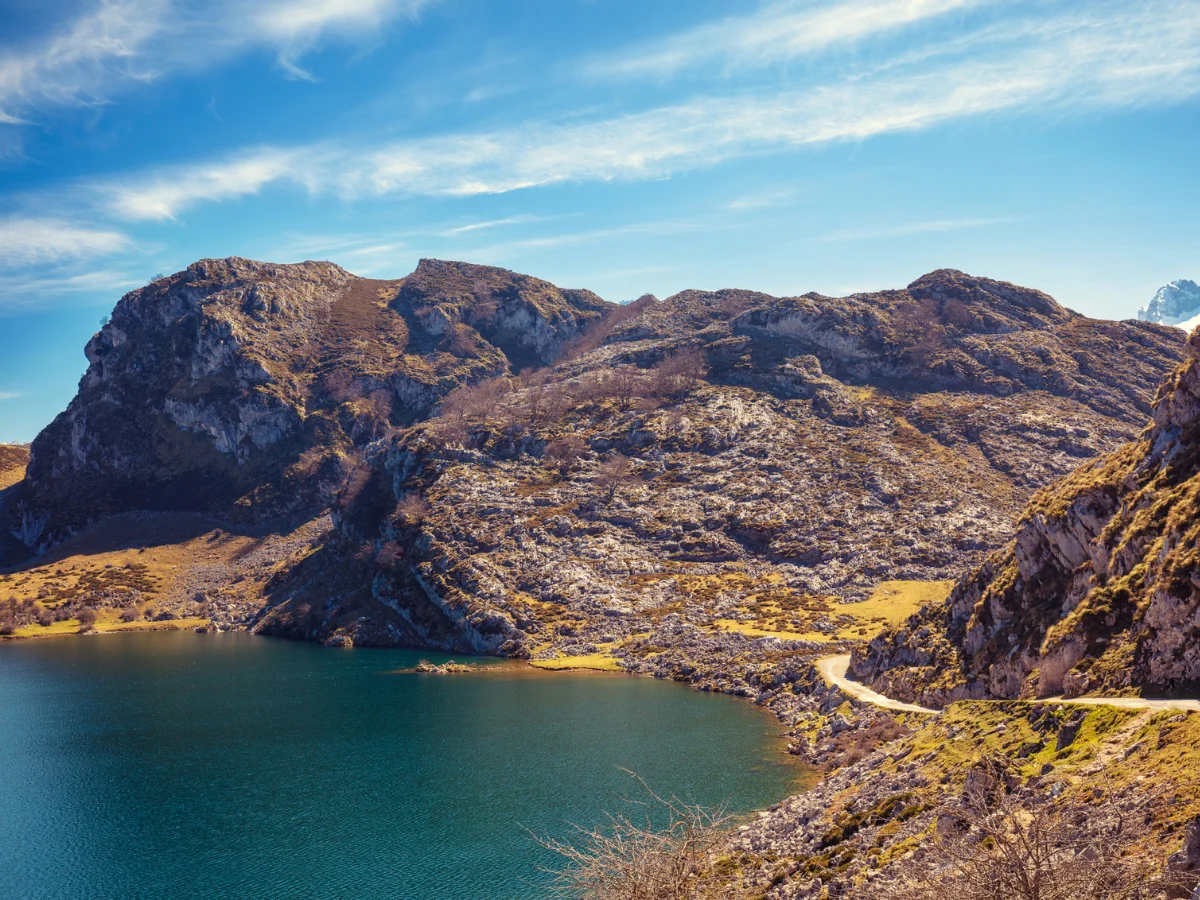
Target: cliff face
707,525
1099,590
238,387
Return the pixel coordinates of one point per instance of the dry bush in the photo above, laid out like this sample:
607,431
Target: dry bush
917,330
992,847
611,474
662,851
413,509
342,387
562,453
87,619
625,385
465,340
390,556
470,404
678,373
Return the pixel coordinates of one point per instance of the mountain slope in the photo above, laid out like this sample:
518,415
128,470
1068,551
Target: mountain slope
238,387
696,496
1099,591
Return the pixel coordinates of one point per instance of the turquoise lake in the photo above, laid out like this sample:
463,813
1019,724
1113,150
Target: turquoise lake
229,766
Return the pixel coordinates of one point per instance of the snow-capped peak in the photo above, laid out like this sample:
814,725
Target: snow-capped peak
1177,303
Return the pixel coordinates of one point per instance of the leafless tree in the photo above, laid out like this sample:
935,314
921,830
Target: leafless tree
662,849
611,474
624,385
678,373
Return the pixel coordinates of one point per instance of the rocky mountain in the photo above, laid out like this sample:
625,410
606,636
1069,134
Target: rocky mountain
693,487
1098,592
698,495
239,388
1177,303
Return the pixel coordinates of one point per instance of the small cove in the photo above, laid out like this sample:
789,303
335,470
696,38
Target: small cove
176,764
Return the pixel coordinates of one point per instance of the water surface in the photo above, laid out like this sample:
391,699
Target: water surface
228,766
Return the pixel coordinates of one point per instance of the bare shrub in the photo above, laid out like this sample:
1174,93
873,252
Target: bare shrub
661,850
413,509
390,556
342,386
958,314
355,485
562,453
917,331
624,385
612,474
469,404
465,340
87,619
678,373
994,848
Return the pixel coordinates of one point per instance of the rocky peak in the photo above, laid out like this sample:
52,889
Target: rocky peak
240,385
993,305
1176,303
527,318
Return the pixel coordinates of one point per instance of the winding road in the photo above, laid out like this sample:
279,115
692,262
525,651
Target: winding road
834,668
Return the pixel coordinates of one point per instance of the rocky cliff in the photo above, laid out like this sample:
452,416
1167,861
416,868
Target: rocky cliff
239,387
697,496
1098,592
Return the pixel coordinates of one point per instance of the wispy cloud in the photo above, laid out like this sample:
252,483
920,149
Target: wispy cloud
34,241
907,229
19,292
773,33
122,42
296,26
1112,56
9,395
494,223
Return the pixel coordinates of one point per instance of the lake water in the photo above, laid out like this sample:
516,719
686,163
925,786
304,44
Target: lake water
184,765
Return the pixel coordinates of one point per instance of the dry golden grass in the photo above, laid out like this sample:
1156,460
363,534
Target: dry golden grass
13,460
148,559
772,610
891,603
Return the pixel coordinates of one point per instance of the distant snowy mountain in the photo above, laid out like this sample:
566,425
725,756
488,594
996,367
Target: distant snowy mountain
1177,303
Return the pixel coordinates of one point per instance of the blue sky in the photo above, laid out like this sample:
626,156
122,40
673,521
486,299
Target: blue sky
621,145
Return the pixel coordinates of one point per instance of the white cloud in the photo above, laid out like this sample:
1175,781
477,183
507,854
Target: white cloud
907,229
9,395
32,241
495,223
73,66
161,195
774,33
295,26
1110,56
23,292
120,42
